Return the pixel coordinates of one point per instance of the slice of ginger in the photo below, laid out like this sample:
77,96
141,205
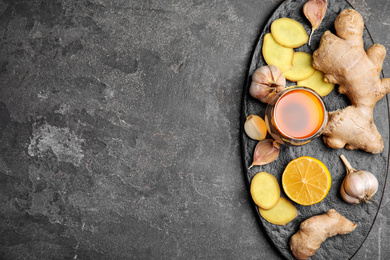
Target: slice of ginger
302,68
265,190
289,32
276,54
281,214
317,83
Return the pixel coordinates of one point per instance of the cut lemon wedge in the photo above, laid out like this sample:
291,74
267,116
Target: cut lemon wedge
306,180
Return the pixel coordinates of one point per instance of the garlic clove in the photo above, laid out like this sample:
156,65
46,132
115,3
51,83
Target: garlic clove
266,151
371,183
255,127
346,197
259,90
315,10
354,186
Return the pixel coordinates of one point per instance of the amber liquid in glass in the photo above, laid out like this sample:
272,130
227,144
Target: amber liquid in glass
298,114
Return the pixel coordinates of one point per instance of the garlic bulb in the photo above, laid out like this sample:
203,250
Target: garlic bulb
266,151
357,186
266,82
255,127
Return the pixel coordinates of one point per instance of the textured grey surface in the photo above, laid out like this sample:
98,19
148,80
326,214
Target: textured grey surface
119,129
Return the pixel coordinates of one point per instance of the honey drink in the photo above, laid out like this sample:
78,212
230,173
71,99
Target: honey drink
296,116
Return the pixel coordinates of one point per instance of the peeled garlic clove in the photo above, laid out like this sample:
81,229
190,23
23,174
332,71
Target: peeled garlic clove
315,10
255,127
266,82
266,151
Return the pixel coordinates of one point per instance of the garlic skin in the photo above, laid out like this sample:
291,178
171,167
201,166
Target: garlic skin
315,10
255,127
266,82
266,151
346,197
358,186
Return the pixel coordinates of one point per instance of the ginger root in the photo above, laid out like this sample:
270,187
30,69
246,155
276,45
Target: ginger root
344,61
316,230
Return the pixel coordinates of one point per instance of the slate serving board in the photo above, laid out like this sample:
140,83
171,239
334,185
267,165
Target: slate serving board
338,247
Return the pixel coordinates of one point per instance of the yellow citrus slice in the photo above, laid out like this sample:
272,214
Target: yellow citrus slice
306,180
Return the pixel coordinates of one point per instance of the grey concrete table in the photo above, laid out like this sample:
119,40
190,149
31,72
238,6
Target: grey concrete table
119,129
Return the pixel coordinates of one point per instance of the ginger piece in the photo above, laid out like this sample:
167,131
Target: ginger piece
317,83
344,61
281,214
289,32
315,230
302,68
276,54
265,190
354,128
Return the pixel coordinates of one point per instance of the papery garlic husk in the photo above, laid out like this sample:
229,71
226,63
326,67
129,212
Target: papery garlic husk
315,10
358,186
266,82
255,127
266,151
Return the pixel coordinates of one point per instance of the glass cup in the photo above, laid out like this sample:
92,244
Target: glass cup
296,116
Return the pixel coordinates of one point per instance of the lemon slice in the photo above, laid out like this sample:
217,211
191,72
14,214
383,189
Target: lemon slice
306,180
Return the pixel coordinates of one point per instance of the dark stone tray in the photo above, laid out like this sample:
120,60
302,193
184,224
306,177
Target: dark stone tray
338,247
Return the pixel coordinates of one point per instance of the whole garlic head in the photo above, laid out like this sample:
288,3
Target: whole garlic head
358,186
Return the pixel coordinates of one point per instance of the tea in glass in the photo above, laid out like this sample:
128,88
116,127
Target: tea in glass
296,116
